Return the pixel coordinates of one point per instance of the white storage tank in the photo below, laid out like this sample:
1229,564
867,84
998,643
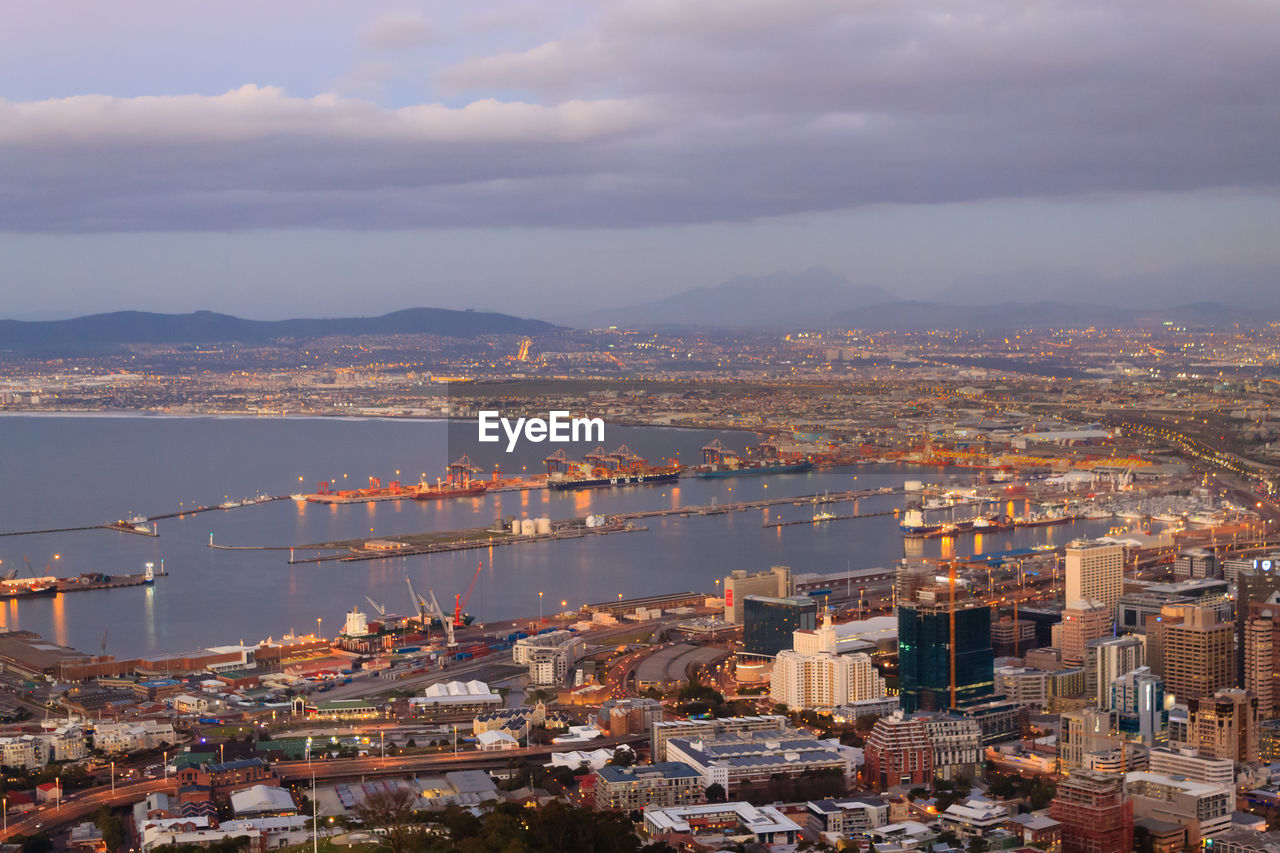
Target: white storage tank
912,485
527,527
515,526
542,525
591,521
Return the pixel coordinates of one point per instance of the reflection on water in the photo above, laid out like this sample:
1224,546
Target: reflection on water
214,596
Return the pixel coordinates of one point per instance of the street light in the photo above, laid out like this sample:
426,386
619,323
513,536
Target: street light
540,619
113,778
319,619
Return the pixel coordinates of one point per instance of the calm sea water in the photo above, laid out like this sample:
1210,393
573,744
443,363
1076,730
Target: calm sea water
61,471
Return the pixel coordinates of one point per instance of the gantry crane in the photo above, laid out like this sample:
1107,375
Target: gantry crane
446,621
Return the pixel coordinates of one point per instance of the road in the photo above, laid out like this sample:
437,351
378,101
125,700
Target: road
79,805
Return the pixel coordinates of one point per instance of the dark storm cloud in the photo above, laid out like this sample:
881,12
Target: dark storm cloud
666,111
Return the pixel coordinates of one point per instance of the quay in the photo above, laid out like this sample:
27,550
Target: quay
355,550
742,506
813,521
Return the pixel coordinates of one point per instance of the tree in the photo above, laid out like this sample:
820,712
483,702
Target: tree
391,810
978,844
111,828
623,757
715,793
39,843
411,743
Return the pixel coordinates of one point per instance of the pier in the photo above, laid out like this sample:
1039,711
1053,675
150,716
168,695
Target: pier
143,525
742,506
814,521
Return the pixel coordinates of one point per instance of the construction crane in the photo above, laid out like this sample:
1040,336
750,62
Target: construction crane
382,611
446,621
460,601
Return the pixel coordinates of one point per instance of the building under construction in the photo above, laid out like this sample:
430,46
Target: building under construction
1093,811
945,658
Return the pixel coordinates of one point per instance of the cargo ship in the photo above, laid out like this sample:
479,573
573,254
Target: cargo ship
598,469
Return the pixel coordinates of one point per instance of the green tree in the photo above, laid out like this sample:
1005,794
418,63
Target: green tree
715,793
391,811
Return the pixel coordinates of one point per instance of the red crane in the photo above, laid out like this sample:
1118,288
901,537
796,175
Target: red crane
460,601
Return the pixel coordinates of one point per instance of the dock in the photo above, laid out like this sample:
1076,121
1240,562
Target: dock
742,506
815,521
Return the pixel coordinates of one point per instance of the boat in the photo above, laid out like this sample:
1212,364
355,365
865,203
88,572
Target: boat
751,469
913,524
823,515
298,496
229,504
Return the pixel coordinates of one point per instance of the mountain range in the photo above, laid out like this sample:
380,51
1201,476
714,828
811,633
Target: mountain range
99,331
819,298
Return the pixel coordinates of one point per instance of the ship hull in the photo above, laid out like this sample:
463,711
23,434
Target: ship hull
619,480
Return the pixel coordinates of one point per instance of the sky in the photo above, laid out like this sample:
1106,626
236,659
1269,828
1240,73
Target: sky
308,157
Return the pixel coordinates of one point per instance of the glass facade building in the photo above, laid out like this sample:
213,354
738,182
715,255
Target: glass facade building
767,623
924,655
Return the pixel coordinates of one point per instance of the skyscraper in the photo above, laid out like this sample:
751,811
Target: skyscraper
1082,621
1261,654
1095,571
928,655
1197,652
1106,660
1256,584
1137,697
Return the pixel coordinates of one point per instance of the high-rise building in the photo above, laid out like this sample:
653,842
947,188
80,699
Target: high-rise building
898,752
1197,652
1084,732
1261,653
1137,697
944,632
1012,639
1107,659
1225,725
1095,571
1253,584
956,742
1093,811
775,583
768,623
1082,621
823,680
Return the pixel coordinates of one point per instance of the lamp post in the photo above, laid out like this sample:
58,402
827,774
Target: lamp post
308,752
315,820
113,779
319,619
166,765
540,619
382,739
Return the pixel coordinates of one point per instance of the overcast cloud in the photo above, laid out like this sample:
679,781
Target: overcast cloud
666,112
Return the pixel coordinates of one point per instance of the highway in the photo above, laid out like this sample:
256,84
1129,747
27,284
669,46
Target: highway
78,805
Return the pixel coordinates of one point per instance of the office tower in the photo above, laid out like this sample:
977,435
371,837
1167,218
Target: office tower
1106,660
1095,571
1093,811
1225,725
1198,652
1255,584
1261,663
1137,697
1012,639
768,623
938,637
775,583
1083,621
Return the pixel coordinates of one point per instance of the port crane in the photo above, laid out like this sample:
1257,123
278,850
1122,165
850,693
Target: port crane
382,611
447,621
420,606
460,601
